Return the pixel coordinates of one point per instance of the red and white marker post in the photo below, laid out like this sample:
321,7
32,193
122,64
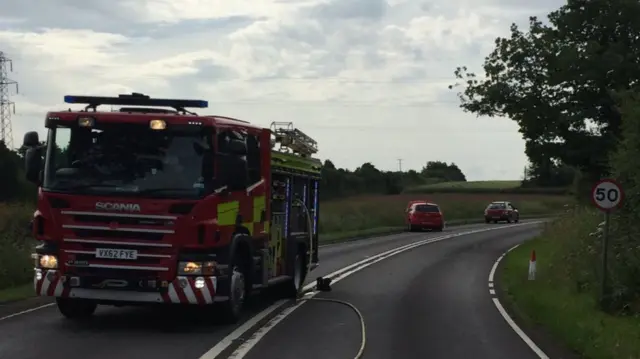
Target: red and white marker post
532,265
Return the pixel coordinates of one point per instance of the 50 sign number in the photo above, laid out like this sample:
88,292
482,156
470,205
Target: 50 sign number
607,195
611,195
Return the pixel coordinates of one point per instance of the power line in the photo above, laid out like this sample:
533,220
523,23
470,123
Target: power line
6,105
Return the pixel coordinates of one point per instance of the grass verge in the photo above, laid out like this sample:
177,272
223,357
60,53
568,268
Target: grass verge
16,293
555,301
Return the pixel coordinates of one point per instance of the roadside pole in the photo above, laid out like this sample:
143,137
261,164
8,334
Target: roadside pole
606,195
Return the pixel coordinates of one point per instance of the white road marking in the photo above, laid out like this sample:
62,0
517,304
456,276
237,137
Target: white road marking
519,331
337,276
245,347
26,311
228,340
495,265
506,316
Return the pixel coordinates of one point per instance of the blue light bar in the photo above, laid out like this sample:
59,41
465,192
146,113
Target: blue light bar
135,99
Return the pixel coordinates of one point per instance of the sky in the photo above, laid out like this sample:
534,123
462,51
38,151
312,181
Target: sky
367,79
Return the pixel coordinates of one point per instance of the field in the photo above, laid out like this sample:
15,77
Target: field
566,259
339,220
506,187
352,215
474,185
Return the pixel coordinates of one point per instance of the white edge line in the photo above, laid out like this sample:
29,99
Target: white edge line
26,311
228,340
340,274
519,331
525,338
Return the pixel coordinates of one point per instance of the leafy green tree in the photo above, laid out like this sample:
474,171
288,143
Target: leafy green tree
442,171
557,82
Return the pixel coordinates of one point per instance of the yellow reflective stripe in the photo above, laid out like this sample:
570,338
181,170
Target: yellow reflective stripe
227,213
248,226
259,205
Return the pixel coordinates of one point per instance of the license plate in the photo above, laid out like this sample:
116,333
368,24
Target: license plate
109,253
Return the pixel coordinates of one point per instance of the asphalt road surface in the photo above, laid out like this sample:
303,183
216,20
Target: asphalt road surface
428,302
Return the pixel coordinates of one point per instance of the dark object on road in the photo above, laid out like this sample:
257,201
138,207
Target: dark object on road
501,211
424,215
323,284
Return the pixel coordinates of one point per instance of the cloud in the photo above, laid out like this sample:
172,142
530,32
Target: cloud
367,78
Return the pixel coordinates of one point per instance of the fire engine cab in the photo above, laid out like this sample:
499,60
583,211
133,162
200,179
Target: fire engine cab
152,203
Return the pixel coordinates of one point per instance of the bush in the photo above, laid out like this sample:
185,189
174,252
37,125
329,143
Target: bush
564,297
16,243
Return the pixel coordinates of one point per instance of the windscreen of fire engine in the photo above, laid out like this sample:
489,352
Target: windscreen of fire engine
427,208
121,159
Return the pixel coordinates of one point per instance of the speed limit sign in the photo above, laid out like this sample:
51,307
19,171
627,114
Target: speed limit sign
607,195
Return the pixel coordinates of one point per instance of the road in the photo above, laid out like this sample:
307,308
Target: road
431,301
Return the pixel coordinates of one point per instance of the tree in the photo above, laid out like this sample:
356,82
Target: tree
557,82
12,184
443,171
367,179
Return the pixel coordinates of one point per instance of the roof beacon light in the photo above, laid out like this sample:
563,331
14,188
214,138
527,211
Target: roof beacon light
293,139
157,124
86,121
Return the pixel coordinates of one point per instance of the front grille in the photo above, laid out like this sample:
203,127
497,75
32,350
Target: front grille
102,233
87,231
126,221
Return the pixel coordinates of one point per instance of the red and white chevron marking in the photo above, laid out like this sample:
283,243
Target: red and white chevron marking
182,290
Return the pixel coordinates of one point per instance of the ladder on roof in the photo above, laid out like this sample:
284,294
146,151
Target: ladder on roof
291,139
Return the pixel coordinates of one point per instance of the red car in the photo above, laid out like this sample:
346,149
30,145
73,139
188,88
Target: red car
424,215
501,211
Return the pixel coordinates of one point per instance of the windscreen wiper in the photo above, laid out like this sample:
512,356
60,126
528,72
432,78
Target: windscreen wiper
88,185
165,189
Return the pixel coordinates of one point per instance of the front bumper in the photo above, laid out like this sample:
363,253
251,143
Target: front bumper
182,290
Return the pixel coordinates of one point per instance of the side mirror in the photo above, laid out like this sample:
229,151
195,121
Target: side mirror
33,164
237,147
31,139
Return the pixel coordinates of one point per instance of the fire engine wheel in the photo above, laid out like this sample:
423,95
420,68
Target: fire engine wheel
298,275
76,308
237,294
292,288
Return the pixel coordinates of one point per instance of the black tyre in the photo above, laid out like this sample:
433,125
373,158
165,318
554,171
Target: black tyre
76,309
517,219
486,220
438,229
238,290
293,287
495,221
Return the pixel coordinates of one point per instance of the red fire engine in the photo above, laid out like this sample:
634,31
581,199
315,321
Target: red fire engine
150,205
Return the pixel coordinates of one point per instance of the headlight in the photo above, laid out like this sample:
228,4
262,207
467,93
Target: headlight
196,268
48,261
157,124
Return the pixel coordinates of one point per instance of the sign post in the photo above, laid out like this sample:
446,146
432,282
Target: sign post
606,195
